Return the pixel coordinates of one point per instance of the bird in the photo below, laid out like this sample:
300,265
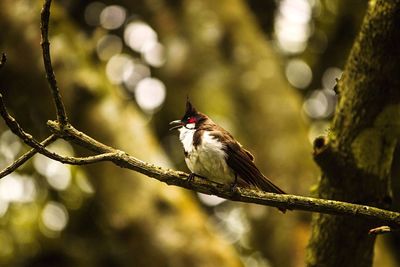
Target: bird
212,152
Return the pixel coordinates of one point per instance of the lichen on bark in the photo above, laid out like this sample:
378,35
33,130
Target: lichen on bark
376,144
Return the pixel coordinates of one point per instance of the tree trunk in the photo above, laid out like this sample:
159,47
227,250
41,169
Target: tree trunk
356,159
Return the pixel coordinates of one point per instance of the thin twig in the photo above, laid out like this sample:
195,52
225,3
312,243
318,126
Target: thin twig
60,109
383,230
21,160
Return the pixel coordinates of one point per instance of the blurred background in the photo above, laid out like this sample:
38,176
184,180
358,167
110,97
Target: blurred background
264,70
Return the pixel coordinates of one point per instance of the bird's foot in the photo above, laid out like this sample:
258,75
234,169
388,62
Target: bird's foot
191,176
190,179
233,188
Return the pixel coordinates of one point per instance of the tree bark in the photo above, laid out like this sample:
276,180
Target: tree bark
356,159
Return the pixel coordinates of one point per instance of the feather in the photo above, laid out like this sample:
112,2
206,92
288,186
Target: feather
241,162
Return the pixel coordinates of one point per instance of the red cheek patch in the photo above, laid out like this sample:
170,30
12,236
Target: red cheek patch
191,120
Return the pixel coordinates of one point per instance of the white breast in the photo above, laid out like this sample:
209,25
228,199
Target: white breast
208,159
186,137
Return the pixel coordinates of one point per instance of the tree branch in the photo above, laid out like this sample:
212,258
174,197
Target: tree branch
178,178
171,177
383,230
30,141
62,129
25,157
60,109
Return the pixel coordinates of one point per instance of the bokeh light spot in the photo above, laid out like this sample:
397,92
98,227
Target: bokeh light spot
139,72
92,13
17,188
83,183
154,54
3,207
235,223
329,77
292,25
10,146
210,200
150,94
316,105
138,34
298,73
108,46
112,17
118,68
57,174
54,216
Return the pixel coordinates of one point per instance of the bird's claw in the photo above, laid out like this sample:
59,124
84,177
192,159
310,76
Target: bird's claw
233,188
190,178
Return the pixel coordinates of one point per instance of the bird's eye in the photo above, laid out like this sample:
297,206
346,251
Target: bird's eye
191,120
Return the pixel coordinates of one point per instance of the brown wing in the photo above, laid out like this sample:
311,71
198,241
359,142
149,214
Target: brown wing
241,162
248,153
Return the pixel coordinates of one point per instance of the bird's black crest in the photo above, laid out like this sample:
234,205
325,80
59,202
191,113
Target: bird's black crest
190,110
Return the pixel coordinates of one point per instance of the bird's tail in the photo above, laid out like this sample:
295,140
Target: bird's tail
266,185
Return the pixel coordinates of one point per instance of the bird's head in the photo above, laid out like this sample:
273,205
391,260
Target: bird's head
191,120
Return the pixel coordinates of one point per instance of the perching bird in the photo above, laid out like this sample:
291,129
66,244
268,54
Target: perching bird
212,152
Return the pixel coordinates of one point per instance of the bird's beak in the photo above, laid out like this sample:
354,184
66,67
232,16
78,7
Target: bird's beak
175,124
